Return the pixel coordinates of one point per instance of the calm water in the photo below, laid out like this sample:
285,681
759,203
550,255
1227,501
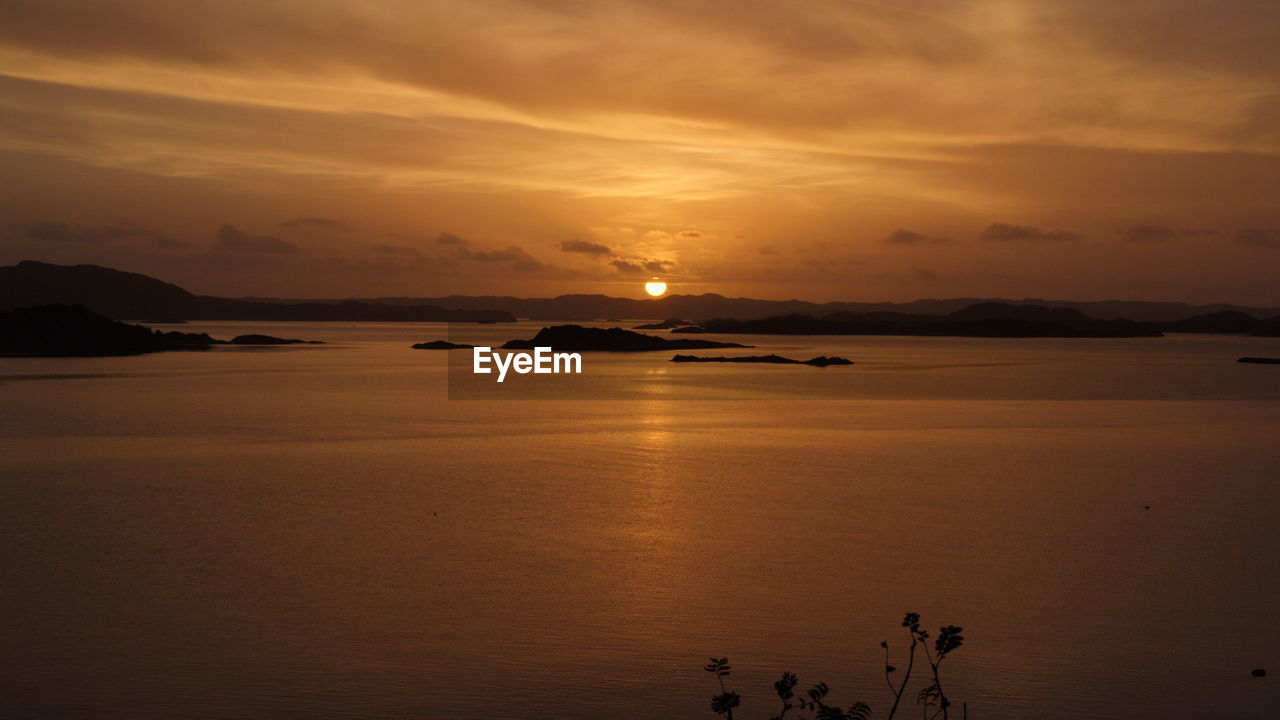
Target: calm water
323,532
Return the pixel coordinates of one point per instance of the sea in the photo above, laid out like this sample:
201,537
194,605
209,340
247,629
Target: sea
362,530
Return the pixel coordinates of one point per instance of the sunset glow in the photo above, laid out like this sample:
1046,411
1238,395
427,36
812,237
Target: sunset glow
830,150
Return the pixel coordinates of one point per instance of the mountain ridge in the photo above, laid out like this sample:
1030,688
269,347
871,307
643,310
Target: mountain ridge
133,296
594,306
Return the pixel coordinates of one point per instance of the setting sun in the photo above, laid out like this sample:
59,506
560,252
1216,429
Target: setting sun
655,287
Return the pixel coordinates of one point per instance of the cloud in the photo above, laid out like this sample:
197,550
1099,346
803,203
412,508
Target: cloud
689,234
1004,232
635,266
584,247
61,232
236,240
834,266
769,250
394,250
1259,237
445,238
317,222
908,237
514,256
1149,234
927,275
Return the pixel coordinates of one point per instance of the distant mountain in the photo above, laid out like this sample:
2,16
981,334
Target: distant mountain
1226,321
989,319
130,296
116,294
598,307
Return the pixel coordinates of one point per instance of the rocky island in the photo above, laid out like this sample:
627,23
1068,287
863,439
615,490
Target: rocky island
75,331
441,345
576,338
667,324
820,361
270,340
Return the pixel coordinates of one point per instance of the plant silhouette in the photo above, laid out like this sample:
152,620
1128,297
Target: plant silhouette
726,701
932,700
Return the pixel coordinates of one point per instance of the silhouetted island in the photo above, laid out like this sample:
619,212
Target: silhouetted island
664,325
989,319
820,361
578,338
73,330
270,340
441,345
1259,360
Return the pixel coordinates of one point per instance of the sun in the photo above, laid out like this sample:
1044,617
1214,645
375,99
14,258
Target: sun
655,287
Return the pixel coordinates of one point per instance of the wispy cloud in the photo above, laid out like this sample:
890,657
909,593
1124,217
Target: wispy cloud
584,247
909,237
1149,234
317,222
1004,232
234,239
1259,237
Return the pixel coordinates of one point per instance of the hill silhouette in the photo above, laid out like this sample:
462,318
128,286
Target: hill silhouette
1225,321
116,294
131,296
589,307
1268,328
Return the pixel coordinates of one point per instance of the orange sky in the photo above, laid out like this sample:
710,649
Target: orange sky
819,149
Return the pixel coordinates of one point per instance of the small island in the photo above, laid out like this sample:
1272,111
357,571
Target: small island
576,338
270,340
665,324
76,331
441,345
1259,360
820,361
